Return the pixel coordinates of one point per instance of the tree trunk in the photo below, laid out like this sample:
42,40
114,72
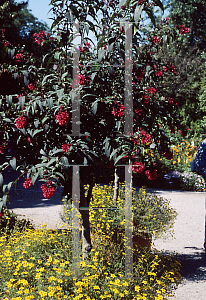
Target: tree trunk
84,210
116,184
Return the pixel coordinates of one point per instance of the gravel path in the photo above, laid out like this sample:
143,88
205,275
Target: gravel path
188,238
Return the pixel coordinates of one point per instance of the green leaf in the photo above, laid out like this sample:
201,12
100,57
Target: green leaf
51,162
110,47
160,4
34,178
94,106
9,99
7,120
61,175
1,180
57,151
37,131
119,158
137,12
101,53
22,100
26,81
9,185
60,94
13,163
65,161
4,200
151,16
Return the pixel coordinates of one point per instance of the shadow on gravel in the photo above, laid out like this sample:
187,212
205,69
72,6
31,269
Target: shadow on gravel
193,265
28,198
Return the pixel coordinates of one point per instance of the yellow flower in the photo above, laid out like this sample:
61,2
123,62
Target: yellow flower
137,288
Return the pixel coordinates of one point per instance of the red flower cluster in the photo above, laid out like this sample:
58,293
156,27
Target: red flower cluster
85,48
41,37
158,73
119,110
151,174
173,69
184,30
138,112
82,79
171,100
138,167
1,214
27,183
31,87
48,189
62,117
21,122
2,148
140,2
65,147
152,90
155,40
145,99
19,57
6,44
145,137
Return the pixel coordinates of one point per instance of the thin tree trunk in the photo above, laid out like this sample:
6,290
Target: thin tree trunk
116,184
84,210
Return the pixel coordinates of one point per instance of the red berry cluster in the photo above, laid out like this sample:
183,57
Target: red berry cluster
184,30
62,117
31,87
155,40
118,111
2,148
171,100
145,99
41,37
19,57
1,214
140,2
138,167
138,112
27,183
48,189
152,90
21,122
65,147
82,79
151,174
145,137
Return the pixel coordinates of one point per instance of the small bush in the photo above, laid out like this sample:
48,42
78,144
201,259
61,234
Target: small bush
9,223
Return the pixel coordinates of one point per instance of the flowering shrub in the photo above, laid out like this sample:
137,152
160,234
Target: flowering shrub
187,181
49,116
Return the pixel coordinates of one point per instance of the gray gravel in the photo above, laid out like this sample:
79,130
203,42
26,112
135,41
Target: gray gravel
188,240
